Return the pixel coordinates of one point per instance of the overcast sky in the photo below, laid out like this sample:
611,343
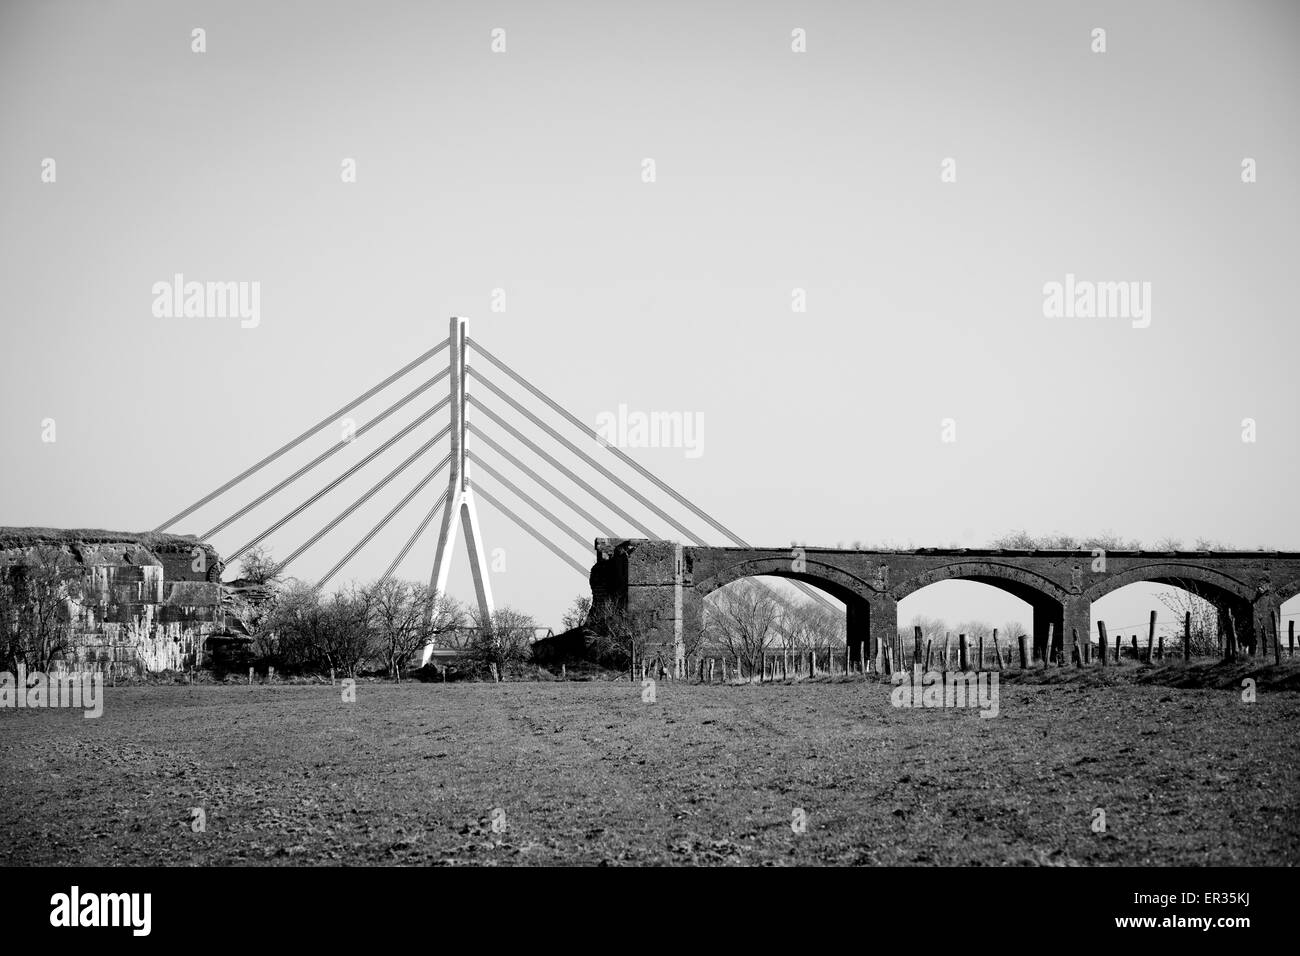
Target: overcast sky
774,170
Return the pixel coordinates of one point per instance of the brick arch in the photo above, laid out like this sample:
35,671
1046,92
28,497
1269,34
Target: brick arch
1211,583
834,581
1026,585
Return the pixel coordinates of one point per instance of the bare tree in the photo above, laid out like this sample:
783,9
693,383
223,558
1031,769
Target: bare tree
36,609
405,616
504,640
742,617
350,641
577,614
258,567
621,635
327,632
1205,619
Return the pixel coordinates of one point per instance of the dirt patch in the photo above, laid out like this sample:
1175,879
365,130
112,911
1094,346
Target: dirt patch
585,773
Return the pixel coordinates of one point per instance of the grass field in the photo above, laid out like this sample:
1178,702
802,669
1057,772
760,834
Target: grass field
588,774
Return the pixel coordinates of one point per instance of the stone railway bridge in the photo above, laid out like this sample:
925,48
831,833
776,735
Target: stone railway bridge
662,585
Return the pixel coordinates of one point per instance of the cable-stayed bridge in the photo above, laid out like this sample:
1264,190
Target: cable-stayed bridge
597,500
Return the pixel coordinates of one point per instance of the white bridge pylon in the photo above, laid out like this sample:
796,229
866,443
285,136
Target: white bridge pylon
460,509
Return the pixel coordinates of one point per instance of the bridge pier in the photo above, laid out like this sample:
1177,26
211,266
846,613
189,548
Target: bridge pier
882,626
1076,617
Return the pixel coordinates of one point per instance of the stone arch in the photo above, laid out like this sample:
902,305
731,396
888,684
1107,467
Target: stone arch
1214,586
1026,585
866,610
834,581
1048,599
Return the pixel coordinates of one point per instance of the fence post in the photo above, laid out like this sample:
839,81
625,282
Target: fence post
979,656
1051,645
946,635
929,649
961,652
1137,656
1290,638
1187,636
1275,622
1021,641
997,652
1230,649
1101,645
1151,635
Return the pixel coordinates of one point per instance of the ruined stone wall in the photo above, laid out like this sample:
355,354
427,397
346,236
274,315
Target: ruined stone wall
151,601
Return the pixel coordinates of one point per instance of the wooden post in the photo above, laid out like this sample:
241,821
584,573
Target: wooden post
1187,636
1150,649
1101,644
997,651
1051,644
1160,648
1290,638
1117,640
888,669
1137,657
916,643
1275,622
250,675
1230,649
1021,641
944,667
1151,635
979,657
929,649
961,652
812,663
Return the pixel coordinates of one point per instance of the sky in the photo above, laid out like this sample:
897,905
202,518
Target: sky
920,396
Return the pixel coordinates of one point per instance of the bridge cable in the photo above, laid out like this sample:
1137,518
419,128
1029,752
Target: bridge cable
370,393
410,495
342,478
591,462
532,446
338,446
415,535
518,493
584,427
362,500
599,525
585,572
644,472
